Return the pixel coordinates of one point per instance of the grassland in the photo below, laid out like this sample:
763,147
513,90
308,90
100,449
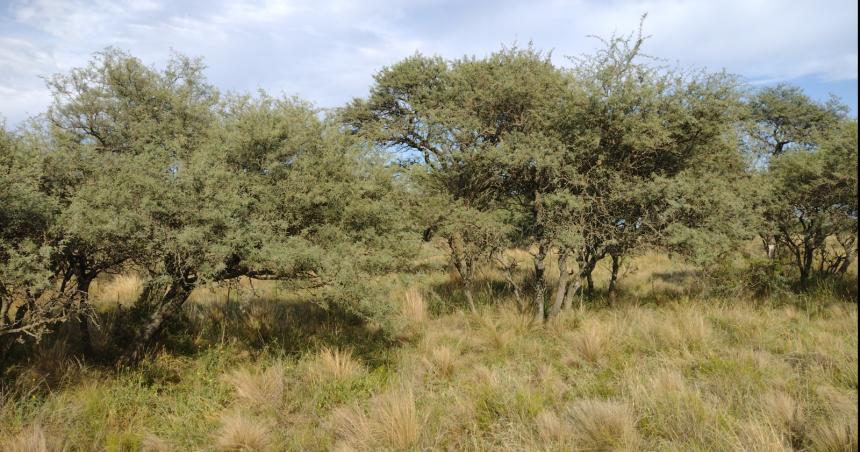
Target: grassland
662,369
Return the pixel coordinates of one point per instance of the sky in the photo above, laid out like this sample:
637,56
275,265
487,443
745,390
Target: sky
327,51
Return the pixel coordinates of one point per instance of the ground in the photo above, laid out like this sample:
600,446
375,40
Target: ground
659,370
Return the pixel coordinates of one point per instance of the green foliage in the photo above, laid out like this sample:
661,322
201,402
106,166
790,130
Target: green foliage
812,199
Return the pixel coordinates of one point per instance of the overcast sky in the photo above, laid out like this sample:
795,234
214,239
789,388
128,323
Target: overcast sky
326,51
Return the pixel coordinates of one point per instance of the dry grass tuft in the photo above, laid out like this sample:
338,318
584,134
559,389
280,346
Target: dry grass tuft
258,389
31,439
784,413
494,334
550,428
442,361
590,343
238,433
397,419
122,289
413,306
333,364
391,422
603,425
152,443
759,437
840,435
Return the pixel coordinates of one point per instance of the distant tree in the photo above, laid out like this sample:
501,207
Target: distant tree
782,118
812,198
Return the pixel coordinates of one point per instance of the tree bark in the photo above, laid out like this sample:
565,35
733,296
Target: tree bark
806,266
587,262
561,289
463,267
540,282
171,301
613,278
83,298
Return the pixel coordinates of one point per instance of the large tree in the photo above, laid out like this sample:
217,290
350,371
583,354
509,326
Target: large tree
154,172
638,138
476,125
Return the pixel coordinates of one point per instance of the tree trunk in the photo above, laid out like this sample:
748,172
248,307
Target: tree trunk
561,289
613,278
573,286
806,266
843,268
586,262
470,299
171,301
539,215
590,282
850,250
83,298
463,267
540,282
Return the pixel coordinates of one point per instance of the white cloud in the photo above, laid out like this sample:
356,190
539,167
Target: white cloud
327,51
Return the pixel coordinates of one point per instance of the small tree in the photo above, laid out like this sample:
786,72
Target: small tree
783,118
813,199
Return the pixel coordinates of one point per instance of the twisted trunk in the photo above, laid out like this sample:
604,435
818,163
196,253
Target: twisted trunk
587,262
167,305
463,265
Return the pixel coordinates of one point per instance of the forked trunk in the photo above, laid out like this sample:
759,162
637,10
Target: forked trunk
464,268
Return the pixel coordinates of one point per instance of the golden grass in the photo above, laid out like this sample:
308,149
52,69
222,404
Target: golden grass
442,360
603,425
552,430
413,307
239,433
590,342
152,443
121,289
839,435
391,422
644,375
332,364
30,439
258,389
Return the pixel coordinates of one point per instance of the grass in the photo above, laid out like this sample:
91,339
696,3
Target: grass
268,371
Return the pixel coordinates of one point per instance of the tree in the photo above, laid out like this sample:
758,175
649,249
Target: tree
28,306
157,173
813,199
460,119
637,136
782,118
107,117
